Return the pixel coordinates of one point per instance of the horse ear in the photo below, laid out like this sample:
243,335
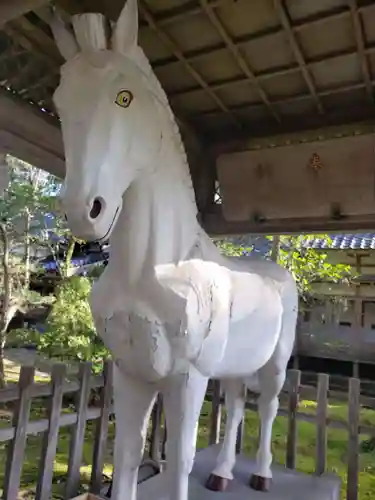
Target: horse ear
64,38
125,33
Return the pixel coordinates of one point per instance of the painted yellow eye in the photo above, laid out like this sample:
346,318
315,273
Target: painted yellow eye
124,98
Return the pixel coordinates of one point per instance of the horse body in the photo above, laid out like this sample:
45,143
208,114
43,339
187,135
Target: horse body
203,313
171,309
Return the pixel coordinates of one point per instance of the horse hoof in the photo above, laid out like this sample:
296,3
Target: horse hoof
259,483
217,483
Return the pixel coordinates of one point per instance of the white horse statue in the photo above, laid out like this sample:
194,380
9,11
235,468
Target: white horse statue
171,309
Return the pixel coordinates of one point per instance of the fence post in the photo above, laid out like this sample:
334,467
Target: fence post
321,424
291,450
50,438
102,429
353,442
215,423
78,432
16,448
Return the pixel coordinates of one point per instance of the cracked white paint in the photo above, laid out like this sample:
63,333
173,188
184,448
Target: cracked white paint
171,309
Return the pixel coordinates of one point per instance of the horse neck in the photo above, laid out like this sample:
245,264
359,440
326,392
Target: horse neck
158,223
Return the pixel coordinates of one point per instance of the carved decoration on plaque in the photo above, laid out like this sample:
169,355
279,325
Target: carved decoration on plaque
315,162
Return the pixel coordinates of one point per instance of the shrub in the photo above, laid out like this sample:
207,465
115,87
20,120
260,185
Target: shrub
70,332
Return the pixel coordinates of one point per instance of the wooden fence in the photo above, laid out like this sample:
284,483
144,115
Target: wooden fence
22,395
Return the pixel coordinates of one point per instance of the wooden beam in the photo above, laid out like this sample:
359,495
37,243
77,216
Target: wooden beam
217,226
30,135
361,47
290,138
287,25
11,9
239,59
178,53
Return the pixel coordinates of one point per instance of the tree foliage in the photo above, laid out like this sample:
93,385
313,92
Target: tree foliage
70,332
306,264
23,206
309,265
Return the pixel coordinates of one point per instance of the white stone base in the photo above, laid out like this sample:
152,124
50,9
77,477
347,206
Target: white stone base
287,485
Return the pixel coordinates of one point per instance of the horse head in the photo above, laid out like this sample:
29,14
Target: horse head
111,108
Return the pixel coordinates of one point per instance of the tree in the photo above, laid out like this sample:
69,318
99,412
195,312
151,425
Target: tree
309,265
70,330
306,264
23,205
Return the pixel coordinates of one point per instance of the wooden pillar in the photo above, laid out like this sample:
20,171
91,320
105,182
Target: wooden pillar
202,169
358,307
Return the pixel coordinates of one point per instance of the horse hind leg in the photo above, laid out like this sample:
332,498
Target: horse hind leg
271,381
271,378
234,403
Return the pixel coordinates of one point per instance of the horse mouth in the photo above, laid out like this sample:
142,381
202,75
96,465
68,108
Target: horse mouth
103,238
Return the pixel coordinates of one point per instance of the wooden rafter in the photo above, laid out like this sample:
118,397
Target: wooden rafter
41,41
240,60
24,33
296,98
177,52
12,9
17,79
334,14
287,25
189,10
31,135
11,53
39,82
360,42
269,74
21,39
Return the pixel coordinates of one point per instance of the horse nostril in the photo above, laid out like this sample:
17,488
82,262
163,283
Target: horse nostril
96,208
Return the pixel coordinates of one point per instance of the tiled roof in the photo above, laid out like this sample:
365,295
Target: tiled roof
357,241
261,245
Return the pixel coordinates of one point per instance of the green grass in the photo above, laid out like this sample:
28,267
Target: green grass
336,453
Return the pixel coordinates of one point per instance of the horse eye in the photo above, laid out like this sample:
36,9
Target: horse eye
124,98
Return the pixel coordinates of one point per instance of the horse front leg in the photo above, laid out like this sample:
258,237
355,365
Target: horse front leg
183,398
234,403
133,402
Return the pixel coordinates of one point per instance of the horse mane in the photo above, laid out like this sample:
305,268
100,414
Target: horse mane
141,60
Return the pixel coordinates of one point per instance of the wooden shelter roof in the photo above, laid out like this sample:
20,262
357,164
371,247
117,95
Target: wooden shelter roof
231,68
